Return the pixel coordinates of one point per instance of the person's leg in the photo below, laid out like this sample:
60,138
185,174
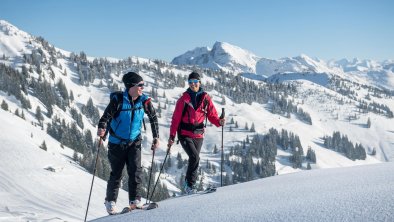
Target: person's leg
192,148
116,157
134,171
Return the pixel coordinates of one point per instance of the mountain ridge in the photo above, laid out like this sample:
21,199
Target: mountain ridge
220,57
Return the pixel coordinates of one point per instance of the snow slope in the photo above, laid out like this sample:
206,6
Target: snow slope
362,193
8,45
30,192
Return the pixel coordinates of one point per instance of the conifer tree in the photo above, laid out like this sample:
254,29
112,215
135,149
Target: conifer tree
310,155
227,180
75,156
296,158
50,111
44,146
373,153
252,128
71,96
39,115
223,101
168,164
182,183
4,105
200,186
180,161
17,112
215,149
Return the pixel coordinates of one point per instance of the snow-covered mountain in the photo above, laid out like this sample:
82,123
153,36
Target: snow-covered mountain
34,62
223,56
14,42
232,58
355,64
299,64
380,74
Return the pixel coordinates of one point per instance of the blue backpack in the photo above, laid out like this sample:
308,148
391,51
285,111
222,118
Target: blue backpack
118,97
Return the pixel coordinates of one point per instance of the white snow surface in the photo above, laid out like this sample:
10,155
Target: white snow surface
38,185
362,193
8,45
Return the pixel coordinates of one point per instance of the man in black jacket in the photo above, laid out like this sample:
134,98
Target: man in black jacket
123,119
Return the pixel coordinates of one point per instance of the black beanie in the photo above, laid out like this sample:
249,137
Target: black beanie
130,79
194,75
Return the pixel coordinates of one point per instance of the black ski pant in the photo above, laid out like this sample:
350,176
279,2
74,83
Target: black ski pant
119,155
192,146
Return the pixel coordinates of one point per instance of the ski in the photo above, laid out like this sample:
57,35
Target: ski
149,206
210,189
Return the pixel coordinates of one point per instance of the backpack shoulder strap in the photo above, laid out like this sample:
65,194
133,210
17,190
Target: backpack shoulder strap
118,98
205,108
184,110
206,100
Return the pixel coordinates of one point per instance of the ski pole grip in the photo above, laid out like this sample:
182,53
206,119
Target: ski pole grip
223,114
168,148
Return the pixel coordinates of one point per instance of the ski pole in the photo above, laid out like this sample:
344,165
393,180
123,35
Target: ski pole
221,164
161,169
94,173
150,175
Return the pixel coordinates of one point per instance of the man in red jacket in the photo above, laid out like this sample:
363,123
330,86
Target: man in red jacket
189,120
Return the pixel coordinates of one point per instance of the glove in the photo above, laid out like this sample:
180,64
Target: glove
101,132
171,141
222,121
155,143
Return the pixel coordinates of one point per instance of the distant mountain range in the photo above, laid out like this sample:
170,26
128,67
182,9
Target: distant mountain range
227,57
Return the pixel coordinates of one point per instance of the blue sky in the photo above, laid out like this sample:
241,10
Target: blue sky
331,29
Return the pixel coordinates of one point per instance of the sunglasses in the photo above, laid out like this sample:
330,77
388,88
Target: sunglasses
139,85
193,81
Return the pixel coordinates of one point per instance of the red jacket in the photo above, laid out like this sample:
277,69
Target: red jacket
196,116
